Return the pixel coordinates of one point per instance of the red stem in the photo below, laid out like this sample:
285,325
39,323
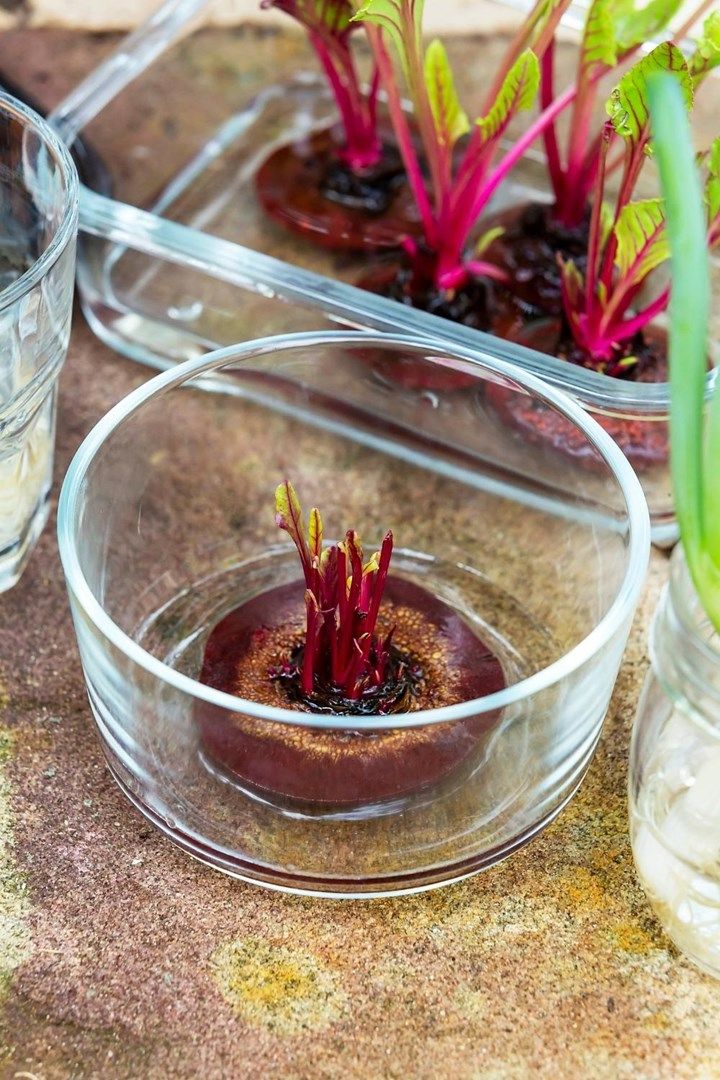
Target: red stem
522,41
423,111
591,271
634,160
478,195
626,329
403,135
379,582
311,641
552,151
570,211
362,145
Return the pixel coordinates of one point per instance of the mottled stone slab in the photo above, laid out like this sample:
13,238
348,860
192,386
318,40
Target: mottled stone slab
121,958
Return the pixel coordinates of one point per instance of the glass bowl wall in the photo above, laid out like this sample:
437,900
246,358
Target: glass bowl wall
38,227
166,524
204,117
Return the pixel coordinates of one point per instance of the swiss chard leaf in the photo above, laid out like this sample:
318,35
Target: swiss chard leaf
517,93
332,16
614,27
607,219
634,25
599,43
288,516
707,50
712,185
397,18
451,122
315,533
642,243
628,103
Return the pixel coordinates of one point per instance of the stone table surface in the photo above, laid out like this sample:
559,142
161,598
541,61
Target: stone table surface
121,957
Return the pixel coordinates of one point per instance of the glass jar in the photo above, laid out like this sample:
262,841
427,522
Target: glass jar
675,773
38,226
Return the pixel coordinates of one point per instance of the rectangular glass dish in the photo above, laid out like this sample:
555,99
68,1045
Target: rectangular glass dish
182,258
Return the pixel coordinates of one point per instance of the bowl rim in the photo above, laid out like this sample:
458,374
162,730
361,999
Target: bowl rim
619,611
68,225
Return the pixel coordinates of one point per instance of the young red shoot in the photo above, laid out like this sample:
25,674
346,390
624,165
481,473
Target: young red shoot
343,655
329,27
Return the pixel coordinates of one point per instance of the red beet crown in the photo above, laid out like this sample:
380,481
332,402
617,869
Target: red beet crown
342,602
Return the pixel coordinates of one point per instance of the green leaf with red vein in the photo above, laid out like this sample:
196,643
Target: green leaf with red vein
517,94
315,533
399,19
288,516
599,43
329,16
628,103
642,243
707,50
451,121
635,25
712,184
613,27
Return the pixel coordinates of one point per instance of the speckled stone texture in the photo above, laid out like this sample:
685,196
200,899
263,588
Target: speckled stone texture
121,958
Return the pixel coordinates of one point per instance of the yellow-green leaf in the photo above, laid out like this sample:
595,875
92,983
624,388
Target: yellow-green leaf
599,40
450,119
635,25
714,157
288,513
707,50
330,16
628,103
572,279
712,184
487,238
516,94
315,533
607,218
396,18
373,563
641,239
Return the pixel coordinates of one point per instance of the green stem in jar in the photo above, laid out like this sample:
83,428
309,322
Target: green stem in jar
694,437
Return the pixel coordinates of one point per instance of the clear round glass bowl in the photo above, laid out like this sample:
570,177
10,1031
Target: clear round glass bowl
166,524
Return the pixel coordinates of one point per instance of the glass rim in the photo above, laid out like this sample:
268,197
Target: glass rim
67,227
121,224
620,609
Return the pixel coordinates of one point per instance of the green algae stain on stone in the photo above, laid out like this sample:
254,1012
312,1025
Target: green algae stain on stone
284,990
14,903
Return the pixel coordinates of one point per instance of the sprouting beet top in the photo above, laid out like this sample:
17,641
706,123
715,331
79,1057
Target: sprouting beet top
342,652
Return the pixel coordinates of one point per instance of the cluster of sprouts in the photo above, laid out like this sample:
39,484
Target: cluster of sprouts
342,652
